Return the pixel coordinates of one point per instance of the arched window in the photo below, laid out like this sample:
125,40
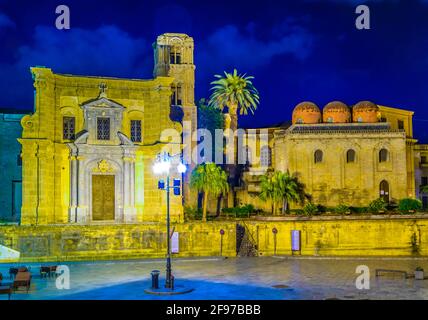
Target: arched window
265,156
384,190
299,121
318,156
383,155
330,119
350,156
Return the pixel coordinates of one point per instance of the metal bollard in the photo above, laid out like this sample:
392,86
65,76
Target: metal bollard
155,279
172,282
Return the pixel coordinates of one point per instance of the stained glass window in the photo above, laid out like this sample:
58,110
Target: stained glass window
103,128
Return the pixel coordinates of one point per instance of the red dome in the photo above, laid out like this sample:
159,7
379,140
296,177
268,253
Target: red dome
336,112
306,112
365,111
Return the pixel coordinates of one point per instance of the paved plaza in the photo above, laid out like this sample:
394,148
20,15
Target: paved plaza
233,278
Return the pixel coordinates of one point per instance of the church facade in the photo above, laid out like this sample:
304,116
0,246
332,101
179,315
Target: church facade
88,149
344,155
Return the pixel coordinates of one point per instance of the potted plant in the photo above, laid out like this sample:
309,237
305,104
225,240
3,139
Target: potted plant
419,273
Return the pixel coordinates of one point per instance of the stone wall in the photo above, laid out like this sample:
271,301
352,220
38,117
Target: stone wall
353,236
126,241
10,168
323,236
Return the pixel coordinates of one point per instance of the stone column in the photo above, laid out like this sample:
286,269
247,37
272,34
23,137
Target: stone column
82,212
73,189
129,189
29,181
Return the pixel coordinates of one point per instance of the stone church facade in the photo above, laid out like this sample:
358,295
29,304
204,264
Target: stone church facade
88,149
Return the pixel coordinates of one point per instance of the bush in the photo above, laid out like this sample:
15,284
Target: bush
359,210
192,213
310,209
408,204
377,205
239,212
341,209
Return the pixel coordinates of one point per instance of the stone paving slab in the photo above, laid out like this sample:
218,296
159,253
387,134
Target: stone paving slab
234,278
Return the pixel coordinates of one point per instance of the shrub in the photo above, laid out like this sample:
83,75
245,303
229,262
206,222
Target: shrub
192,213
377,205
310,209
359,210
341,209
409,204
239,212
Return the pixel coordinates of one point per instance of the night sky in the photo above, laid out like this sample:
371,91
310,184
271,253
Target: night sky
297,50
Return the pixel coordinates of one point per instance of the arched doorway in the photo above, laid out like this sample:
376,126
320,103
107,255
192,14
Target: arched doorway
384,190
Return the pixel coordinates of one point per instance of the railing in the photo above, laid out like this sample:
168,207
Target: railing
246,243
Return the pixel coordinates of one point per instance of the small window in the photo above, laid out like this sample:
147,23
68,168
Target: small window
299,121
383,155
136,130
266,156
103,128
176,95
400,124
68,128
423,159
424,181
318,156
350,156
175,56
382,119
330,119
360,119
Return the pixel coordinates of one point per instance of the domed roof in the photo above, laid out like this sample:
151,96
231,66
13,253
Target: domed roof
365,111
306,112
337,112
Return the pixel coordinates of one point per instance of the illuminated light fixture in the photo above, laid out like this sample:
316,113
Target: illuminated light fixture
181,168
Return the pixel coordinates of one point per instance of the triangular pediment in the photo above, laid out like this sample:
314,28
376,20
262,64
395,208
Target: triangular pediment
102,102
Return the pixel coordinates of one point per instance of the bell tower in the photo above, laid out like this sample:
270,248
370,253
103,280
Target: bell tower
173,57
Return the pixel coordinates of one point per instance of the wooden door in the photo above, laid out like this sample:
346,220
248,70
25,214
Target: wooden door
103,197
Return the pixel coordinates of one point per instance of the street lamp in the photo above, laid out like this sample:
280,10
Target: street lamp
162,166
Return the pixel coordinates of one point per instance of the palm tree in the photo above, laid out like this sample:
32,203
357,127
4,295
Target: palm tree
290,189
209,179
267,192
282,187
235,91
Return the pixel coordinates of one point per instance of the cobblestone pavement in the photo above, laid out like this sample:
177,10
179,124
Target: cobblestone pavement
234,278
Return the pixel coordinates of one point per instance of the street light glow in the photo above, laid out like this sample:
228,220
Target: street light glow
181,168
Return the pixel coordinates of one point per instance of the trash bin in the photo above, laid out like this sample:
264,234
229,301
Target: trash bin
155,279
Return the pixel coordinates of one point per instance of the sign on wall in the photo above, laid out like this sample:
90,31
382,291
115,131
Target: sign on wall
174,243
295,240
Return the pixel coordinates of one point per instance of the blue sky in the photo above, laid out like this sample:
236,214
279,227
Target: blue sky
297,50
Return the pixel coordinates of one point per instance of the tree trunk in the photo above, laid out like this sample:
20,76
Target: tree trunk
233,112
284,206
219,200
204,210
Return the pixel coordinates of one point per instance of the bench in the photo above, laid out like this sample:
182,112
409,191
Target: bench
401,272
6,290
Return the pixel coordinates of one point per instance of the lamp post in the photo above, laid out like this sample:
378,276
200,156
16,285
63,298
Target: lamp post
162,166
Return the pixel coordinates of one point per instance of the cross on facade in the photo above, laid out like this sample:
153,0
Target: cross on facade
103,89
